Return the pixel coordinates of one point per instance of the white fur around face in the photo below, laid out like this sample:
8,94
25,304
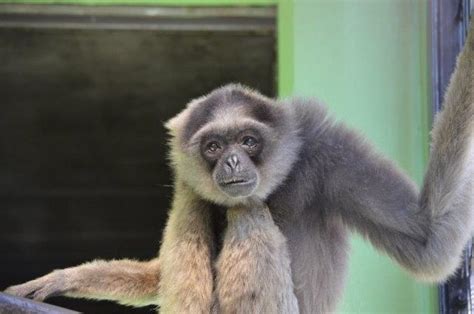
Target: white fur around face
190,167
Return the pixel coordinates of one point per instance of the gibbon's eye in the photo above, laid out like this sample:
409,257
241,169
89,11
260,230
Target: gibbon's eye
213,147
250,142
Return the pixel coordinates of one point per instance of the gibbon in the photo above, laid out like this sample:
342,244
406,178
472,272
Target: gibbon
266,192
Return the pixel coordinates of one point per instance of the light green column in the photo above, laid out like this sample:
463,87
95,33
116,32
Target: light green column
367,60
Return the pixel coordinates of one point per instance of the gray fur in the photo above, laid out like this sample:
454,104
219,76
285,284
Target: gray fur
337,181
319,180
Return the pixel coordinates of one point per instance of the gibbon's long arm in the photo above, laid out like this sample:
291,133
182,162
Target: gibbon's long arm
425,232
127,282
179,281
253,268
186,279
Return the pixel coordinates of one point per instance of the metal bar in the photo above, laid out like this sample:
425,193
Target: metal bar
446,30
17,305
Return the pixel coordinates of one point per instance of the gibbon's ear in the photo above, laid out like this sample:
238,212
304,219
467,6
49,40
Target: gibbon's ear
178,122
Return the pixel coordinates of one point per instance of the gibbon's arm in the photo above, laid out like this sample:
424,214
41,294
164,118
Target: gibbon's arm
186,279
253,268
180,280
425,232
128,282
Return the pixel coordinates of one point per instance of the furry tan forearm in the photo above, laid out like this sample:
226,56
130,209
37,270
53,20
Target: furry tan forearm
125,281
253,268
185,257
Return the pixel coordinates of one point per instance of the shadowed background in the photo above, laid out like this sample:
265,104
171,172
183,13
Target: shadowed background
82,145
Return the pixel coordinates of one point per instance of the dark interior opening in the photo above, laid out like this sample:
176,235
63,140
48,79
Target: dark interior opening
83,169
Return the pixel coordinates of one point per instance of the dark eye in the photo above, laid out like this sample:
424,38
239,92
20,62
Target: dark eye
213,147
250,141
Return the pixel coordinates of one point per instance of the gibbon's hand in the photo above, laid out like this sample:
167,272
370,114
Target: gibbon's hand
52,284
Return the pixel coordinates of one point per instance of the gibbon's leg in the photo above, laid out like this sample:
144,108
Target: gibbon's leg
186,280
425,232
253,268
125,281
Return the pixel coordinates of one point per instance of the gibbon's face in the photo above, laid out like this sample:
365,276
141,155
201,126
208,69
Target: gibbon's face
232,155
232,145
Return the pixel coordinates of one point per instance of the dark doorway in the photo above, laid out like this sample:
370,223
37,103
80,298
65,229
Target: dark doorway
84,94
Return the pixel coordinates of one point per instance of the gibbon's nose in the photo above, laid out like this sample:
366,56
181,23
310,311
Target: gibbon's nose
233,163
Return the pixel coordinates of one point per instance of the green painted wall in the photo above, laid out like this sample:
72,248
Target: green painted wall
367,60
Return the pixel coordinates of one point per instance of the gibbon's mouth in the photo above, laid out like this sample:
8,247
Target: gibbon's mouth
238,187
237,181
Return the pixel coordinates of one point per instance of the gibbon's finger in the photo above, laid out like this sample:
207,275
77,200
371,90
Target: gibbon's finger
47,291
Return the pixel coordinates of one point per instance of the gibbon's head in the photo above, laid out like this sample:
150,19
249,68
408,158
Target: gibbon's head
233,145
